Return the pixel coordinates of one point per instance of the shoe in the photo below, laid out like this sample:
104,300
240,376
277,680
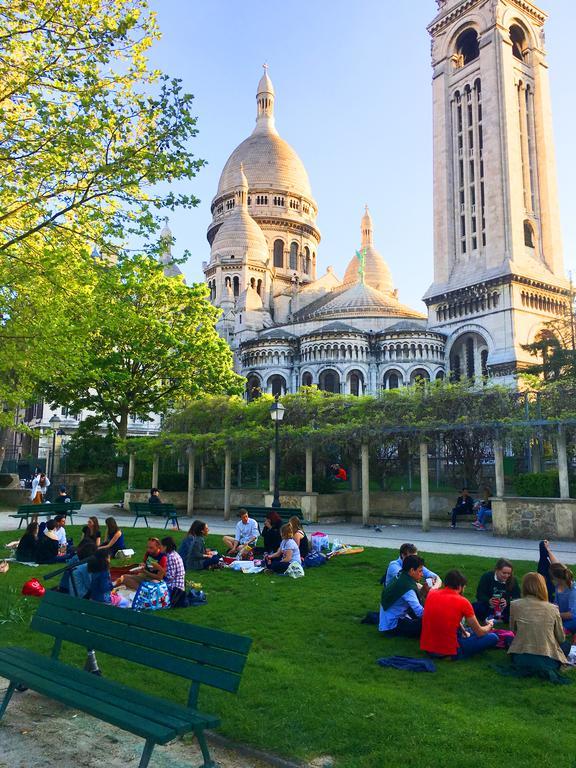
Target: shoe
480,527
452,525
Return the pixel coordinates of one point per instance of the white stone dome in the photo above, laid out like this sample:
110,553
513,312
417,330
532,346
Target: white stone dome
376,272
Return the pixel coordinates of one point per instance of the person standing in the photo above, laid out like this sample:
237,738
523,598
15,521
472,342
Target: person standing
40,485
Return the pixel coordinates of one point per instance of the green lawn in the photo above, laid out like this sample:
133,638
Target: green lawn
312,687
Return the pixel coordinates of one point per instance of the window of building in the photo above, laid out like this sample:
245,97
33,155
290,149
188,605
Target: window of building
518,39
330,381
236,285
277,385
253,388
306,379
528,234
293,255
467,47
279,253
356,383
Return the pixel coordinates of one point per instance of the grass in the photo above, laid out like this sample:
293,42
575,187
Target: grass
312,686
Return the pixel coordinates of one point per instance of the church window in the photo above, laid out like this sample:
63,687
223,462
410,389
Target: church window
467,47
306,379
249,200
236,285
484,363
259,288
356,383
230,204
253,388
293,255
330,381
253,282
528,234
306,260
518,39
277,385
279,253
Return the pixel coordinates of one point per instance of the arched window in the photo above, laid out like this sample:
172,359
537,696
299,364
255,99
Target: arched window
518,39
440,376
307,379
279,253
419,376
467,47
293,255
253,388
259,288
306,260
393,380
484,363
330,381
356,383
277,385
528,234
236,285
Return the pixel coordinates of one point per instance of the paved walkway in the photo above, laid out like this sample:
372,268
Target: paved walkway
463,540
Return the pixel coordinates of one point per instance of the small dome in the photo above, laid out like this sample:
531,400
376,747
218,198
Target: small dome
265,84
376,272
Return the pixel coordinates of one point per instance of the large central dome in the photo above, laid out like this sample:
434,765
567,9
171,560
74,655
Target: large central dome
269,162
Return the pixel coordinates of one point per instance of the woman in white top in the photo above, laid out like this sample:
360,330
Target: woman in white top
40,485
288,552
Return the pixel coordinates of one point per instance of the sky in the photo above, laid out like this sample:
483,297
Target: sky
353,98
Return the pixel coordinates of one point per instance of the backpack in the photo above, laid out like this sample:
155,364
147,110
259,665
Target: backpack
314,559
196,597
151,595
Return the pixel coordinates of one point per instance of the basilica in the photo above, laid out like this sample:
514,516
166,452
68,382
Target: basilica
498,269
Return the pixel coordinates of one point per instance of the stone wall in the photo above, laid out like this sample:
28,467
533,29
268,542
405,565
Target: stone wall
534,518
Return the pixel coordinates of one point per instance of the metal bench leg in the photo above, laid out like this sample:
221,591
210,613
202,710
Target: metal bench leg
208,762
7,697
21,521
146,754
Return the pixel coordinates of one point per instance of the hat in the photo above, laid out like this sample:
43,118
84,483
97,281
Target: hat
63,488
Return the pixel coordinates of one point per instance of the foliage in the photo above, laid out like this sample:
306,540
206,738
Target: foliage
88,133
309,643
167,481
87,449
555,348
542,484
149,342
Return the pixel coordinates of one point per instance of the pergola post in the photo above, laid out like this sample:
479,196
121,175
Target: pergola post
308,470
202,474
272,472
365,458
499,467
131,470
155,467
424,491
191,471
563,464
227,482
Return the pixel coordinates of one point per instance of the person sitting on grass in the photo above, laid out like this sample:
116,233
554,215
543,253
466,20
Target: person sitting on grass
114,537
400,606
271,532
152,569
539,647
395,567
77,582
198,557
28,544
175,574
60,531
288,552
496,590
464,506
246,534
442,632
94,530
48,546
101,587
565,598
154,497
299,536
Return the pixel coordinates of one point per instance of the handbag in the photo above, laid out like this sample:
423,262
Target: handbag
314,559
151,596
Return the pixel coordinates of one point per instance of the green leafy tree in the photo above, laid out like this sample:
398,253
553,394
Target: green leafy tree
149,343
88,134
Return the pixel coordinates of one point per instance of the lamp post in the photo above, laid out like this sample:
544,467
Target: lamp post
277,414
54,425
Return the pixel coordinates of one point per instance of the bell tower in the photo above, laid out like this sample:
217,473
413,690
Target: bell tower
498,266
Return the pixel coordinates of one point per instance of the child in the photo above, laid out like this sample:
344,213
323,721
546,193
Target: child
100,583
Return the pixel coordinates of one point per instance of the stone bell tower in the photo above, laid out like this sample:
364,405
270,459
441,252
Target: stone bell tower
498,266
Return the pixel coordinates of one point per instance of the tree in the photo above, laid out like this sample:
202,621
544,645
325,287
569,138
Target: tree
555,346
148,343
88,133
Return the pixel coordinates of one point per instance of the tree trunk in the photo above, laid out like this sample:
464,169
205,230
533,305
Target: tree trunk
123,426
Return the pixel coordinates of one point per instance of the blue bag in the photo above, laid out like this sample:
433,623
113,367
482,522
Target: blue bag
314,559
152,596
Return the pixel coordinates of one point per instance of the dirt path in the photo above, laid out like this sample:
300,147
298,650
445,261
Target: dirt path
36,732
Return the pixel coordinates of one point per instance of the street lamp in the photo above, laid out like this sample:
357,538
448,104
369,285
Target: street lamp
277,414
54,425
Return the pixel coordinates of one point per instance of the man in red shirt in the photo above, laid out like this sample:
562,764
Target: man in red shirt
442,633
152,569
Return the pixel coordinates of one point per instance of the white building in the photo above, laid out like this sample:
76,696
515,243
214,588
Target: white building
498,271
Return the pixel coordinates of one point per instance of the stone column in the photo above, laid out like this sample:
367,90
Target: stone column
354,480
227,482
191,470
272,472
202,474
425,496
563,465
365,457
308,470
499,467
131,470
155,466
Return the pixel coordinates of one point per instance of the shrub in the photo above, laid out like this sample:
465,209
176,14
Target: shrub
543,484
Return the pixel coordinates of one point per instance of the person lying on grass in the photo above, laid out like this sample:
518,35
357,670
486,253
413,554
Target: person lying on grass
442,631
288,551
152,569
395,566
400,606
246,534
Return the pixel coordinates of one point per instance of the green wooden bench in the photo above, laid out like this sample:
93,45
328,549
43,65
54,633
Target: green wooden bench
201,655
145,510
259,513
26,511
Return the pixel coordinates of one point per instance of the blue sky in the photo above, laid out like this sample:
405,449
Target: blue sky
353,98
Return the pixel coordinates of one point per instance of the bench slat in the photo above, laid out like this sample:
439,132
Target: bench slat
152,708
112,713
161,624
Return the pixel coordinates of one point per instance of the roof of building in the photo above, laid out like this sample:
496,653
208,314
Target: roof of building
356,301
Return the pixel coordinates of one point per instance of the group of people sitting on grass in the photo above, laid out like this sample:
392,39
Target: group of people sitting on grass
47,542
282,544
541,614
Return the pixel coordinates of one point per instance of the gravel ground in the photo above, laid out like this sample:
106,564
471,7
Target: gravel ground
36,732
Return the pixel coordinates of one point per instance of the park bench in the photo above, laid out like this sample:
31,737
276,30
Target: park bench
144,510
201,655
259,513
26,511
